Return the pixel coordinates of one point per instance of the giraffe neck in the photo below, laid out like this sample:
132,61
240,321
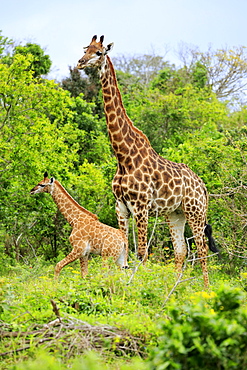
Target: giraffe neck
123,134
69,208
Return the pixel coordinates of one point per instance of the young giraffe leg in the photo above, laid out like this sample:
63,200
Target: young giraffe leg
84,265
176,222
72,256
122,254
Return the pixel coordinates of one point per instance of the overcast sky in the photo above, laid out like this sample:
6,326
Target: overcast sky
64,27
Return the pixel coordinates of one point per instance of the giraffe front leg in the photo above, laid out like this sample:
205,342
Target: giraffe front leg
142,224
72,256
123,217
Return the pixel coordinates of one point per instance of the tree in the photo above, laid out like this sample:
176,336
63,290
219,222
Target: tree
41,62
29,144
174,80
94,144
75,84
87,84
226,68
166,118
144,67
5,43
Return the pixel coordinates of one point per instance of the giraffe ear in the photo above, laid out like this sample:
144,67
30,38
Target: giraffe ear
109,47
94,39
51,180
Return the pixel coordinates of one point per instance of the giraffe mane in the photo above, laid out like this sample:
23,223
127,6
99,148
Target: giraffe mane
137,130
75,202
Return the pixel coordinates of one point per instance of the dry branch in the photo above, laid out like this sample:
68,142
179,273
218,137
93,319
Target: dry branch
76,336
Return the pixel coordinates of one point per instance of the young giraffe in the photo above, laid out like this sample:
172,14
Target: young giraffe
88,235
146,184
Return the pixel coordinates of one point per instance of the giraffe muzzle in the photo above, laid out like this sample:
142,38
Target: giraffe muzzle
81,64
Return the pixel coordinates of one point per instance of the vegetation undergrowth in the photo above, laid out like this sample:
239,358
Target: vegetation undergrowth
124,322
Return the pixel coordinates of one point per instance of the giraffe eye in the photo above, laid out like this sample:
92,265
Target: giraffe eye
98,53
42,185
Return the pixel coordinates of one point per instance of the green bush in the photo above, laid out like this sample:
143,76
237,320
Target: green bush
205,335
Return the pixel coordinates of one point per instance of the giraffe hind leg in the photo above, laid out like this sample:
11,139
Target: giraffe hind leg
121,260
198,230
176,222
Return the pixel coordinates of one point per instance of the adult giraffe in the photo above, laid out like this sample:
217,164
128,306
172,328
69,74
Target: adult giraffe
145,183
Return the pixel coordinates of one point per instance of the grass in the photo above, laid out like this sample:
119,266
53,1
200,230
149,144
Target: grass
104,299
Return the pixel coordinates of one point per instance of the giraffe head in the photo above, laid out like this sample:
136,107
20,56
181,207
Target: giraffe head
44,186
94,54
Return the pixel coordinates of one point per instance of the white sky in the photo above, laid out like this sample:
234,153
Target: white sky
64,27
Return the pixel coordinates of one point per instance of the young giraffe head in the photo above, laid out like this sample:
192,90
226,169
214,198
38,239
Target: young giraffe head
94,54
44,186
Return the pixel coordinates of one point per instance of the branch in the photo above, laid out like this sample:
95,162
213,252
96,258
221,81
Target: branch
175,286
55,309
230,192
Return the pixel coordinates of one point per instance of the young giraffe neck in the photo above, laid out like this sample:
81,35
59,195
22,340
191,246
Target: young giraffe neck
69,208
123,134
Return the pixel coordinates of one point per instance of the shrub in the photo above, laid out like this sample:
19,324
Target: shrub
205,335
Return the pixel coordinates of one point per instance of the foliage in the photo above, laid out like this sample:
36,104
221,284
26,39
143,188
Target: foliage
226,68
87,83
93,191
75,84
168,118
90,361
40,62
93,145
204,336
105,299
174,80
5,42
144,67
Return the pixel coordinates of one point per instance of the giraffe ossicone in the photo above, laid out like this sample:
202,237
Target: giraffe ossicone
145,183
89,235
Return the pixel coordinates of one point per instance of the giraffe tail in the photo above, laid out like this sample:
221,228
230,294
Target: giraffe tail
211,242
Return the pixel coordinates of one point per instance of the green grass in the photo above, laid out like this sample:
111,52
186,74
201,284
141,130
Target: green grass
105,297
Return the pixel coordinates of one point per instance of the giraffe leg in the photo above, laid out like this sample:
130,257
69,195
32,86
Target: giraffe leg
105,257
123,217
72,256
142,224
121,260
202,248
84,265
176,222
